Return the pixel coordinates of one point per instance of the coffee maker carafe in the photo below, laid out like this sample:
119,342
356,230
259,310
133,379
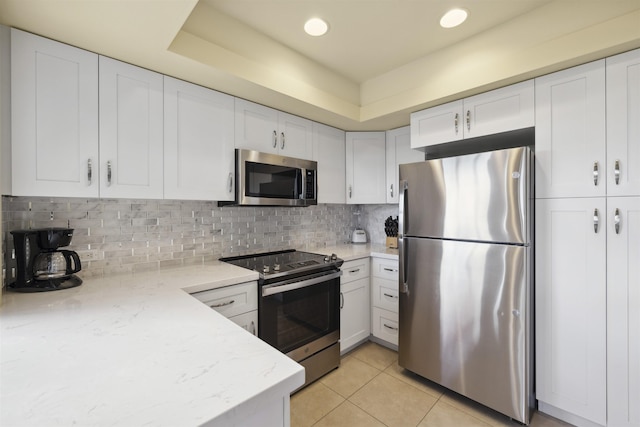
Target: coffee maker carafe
41,265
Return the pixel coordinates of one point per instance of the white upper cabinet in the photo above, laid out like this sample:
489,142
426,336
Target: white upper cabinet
500,110
131,131
623,124
198,142
54,120
365,167
398,152
267,130
570,132
329,152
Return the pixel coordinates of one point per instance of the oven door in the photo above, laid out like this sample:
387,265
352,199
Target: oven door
301,316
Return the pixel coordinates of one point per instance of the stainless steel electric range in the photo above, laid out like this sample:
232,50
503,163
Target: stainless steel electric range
299,306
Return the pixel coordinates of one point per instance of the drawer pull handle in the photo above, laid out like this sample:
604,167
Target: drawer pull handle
616,171
354,271
392,270
596,220
616,220
596,173
223,304
390,327
390,296
253,328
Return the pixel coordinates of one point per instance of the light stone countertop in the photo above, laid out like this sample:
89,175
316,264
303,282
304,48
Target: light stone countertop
138,350
134,350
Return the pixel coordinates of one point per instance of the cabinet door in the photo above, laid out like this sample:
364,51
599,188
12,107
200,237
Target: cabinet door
623,124
570,306
329,152
54,118
198,142
437,125
295,136
131,131
499,110
570,132
366,167
256,127
355,312
398,151
623,311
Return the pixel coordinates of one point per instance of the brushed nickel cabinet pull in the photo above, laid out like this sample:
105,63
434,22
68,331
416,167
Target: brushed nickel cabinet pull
468,119
616,220
596,220
223,304
109,173
391,190
341,300
390,327
390,296
253,327
230,182
282,141
89,171
455,122
275,139
616,171
350,192
596,173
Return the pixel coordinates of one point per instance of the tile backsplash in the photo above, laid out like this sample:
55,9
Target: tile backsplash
126,235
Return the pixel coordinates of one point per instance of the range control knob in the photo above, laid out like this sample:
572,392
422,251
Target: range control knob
276,267
334,257
327,258
265,269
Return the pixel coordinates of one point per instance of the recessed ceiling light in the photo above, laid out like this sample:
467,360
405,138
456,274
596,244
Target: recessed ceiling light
315,27
453,18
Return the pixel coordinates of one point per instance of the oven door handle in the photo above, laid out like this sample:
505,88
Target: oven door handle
278,289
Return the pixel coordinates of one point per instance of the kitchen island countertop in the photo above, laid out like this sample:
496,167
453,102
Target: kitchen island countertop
136,350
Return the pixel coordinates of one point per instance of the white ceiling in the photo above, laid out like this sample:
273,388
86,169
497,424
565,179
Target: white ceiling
380,60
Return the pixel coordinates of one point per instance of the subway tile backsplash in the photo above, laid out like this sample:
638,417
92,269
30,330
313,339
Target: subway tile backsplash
127,235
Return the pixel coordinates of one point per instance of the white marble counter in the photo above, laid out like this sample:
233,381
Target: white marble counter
135,350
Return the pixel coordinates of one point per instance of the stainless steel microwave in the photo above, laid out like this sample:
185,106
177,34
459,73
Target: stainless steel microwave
264,179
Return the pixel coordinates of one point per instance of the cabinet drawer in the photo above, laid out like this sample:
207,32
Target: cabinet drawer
231,300
354,270
384,268
248,321
385,293
385,325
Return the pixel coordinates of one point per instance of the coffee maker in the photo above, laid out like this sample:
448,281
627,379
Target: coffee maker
41,265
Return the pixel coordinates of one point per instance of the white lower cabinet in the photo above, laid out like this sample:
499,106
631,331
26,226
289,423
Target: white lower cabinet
239,303
355,304
571,309
384,311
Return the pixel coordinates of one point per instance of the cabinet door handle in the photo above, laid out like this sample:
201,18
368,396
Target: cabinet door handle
223,304
390,327
596,220
341,300
230,182
616,220
596,173
350,191
455,122
391,190
392,270
354,271
89,171
468,119
275,139
616,171
109,173
253,327
390,296
282,141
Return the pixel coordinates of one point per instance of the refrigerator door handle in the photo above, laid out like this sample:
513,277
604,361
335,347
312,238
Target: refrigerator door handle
402,223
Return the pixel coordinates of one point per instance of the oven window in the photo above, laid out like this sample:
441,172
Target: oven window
295,318
272,181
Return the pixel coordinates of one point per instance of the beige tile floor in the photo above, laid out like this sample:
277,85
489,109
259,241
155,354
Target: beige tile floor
371,390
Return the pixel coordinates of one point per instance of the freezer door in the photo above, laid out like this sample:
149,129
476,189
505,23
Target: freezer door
464,320
484,196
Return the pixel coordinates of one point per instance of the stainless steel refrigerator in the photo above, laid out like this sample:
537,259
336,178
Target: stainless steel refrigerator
466,270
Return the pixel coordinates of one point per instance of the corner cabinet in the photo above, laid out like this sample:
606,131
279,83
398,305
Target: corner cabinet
267,130
198,142
365,168
329,152
238,303
500,110
398,152
131,131
54,118
355,304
